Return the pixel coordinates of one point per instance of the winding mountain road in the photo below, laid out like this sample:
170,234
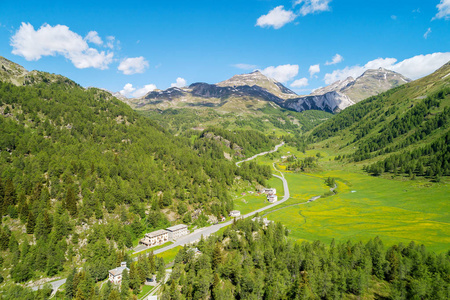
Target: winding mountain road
259,154
196,235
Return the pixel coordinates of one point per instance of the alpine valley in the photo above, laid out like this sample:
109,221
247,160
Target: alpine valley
357,174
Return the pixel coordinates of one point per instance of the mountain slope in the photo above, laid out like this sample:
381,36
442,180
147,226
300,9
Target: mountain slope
405,129
80,170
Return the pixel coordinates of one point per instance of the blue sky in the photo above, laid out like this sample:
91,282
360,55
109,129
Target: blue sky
142,45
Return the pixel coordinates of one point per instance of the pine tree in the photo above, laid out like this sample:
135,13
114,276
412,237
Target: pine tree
217,256
70,202
31,223
125,286
9,197
70,293
2,195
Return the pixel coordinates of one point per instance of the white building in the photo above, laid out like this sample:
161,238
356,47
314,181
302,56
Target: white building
155,238
115,275
270,191
177,231
235,213
272,198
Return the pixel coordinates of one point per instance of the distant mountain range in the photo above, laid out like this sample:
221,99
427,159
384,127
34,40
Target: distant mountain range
256,86
231,94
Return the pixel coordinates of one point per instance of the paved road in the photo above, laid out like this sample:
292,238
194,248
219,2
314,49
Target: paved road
259,154
55,286
195,236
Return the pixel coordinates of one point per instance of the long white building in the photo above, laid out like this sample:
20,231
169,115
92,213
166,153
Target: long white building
177,231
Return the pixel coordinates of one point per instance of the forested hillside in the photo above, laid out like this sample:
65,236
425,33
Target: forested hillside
251,261
403,131
82,175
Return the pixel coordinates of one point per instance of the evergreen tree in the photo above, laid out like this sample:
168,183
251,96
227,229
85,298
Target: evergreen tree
70,293
70,201
125,285
31,223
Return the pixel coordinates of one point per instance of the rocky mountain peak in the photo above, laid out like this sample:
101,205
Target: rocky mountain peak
257,78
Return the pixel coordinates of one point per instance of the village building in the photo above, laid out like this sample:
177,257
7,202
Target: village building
235,213
155,238
270,191
272,198
115,275
177,231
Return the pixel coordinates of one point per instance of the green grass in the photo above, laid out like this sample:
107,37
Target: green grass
366,207
150,249
251,202
145,290
170,254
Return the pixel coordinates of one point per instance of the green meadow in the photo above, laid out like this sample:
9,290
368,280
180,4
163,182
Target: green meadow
250,202
366,207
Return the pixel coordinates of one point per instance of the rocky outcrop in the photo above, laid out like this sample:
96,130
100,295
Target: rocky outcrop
332,102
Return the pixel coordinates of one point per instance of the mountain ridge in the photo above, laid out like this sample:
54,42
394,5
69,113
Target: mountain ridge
255,85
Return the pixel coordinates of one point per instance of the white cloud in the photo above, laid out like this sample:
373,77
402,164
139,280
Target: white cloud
421,65
425,35
300,83
314,69
93,37
245,66
110,43
57,40
443,10
181,82
130,91
277,18
281,73
414,67
133,65
394,17
336,59
127,89
312,6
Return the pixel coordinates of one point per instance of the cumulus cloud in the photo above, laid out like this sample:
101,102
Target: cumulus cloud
130,91
414,67
314,69
336,59
127,89
300,83
276,18
443,10
57,40
245,66
425,35
282,73
93,37
312,6
180,83
133,65
111,39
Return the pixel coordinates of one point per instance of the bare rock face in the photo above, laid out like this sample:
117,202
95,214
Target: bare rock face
332,102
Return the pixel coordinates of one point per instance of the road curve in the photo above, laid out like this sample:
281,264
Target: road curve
196,235
259,154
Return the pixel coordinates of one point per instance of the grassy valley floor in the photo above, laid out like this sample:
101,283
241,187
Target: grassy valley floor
364,207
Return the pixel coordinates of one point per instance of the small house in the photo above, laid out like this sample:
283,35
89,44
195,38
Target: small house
115,275
235,213
270,191
272,198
